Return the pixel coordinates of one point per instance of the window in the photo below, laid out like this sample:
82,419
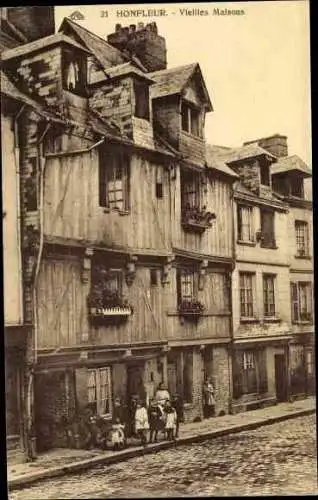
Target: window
74,73
190,189
153,277
186,285
141,100
265,177
268,229
190,119
246,295
301,300
245,223
269,294
302,238
310,362
113,180
159,191
99,391
297,186
249,372
31,185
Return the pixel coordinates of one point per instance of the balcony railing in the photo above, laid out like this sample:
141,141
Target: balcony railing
195,219
107,307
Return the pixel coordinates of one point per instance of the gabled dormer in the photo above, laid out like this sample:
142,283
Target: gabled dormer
180,102
253,165
52,70
288,176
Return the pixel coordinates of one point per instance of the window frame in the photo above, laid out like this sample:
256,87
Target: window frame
142,100
190,187
296,304
97,388
192,282
69,57
112,163
269,295
249,209
302,250
268,240
249,295
191,119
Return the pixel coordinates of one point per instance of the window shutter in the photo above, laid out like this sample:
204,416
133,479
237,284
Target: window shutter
126,180
262,372
179,294
102,177
81,387
294,301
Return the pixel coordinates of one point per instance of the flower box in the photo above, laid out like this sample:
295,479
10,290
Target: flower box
107,307
196,220
191,309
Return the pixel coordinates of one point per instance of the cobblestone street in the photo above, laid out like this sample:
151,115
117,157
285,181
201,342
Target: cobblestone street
278,459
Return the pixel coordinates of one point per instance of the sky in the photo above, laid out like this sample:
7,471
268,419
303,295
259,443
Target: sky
256,65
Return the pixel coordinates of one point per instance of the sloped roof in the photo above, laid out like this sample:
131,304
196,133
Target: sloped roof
10,90
173,80
7,42
245,152
39,44
214,161
126,69
291,163
106,54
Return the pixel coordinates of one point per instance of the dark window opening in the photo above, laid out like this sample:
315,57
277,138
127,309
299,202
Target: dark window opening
265,177
31,186
114,185
190,190
153,277
74,73
268,229
141,100
249,373
190,119
159,190
297,187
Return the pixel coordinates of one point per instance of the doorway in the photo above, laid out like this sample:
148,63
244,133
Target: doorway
280,377
135,381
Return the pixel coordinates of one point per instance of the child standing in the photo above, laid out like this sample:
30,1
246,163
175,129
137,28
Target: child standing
141,422
155,420
118,435
171,421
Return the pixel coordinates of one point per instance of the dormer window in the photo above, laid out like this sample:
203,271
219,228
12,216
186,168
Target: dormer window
265,176
190,119
141,90
74,73
297,187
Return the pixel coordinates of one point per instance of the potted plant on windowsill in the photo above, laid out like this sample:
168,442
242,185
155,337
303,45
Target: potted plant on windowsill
191,309
103,304
196,219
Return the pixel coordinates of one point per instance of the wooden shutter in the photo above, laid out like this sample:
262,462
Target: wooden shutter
81,387
125,158
179,293
262,371
267,223
294,301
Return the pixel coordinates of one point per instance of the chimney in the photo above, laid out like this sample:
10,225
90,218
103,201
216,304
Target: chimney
275,144
143,42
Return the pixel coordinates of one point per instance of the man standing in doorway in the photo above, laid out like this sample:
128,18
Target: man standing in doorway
208,399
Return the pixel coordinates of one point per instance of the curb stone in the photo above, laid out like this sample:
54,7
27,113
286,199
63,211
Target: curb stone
28,479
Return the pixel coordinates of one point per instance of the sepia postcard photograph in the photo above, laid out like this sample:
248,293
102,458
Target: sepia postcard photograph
158,256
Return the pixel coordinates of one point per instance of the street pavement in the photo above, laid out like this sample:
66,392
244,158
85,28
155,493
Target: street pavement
277,459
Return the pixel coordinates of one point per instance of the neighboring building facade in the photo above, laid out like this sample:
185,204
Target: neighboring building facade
18,25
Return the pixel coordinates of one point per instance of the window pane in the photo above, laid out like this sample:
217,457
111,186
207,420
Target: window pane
246,294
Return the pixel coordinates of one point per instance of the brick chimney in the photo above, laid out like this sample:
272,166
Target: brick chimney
275,144
143,42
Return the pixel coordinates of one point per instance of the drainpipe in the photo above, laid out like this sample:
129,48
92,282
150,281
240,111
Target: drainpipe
231,352
30,387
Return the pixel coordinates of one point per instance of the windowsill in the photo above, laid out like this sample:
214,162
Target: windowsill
271,319
303,257
115,210
246,243
192,135
303,322
269,247
249,320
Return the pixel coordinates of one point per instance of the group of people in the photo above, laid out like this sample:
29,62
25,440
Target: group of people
163,413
